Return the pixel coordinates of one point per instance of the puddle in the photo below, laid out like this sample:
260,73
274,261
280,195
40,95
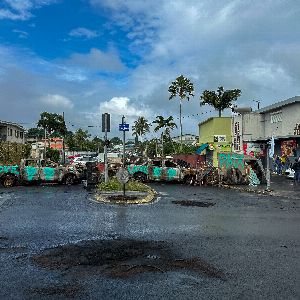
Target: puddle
120,258
193,203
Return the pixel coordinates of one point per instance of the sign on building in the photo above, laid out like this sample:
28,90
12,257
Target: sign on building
220,138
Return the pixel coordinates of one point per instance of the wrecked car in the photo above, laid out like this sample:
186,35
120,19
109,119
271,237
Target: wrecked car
38,171
160,170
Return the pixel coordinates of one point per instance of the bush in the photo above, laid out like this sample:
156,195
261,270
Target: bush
53,154
131,185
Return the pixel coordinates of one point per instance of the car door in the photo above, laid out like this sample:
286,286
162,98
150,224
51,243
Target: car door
171,171
155,170
30,171
48,173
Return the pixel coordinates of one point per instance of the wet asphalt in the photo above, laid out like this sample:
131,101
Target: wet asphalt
253,239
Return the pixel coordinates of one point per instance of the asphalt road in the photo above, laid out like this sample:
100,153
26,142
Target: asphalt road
245,246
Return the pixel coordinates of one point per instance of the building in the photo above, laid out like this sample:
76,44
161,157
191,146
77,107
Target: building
281,120
187,139
11,132
215,137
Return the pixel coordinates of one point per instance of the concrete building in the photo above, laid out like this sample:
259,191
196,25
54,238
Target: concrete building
252,131
187,139
11,132
215,137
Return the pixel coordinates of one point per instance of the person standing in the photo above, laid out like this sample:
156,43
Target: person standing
296,168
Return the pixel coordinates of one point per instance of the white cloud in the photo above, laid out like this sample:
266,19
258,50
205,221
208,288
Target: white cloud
22,34
83,33
97,60
57,101
21,9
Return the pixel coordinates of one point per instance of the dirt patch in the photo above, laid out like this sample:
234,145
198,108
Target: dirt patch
67,290
193,203
121,258
121,198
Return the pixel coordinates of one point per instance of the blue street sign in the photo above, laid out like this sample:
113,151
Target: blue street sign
123,127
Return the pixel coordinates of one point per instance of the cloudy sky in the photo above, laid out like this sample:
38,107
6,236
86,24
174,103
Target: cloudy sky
88,57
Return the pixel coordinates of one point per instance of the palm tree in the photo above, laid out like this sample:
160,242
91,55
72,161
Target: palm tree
183,88
220,99
167,125
140,127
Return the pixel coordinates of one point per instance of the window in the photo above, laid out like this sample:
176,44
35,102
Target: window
276,117
16,133
170,164
10,132
21,135
156,163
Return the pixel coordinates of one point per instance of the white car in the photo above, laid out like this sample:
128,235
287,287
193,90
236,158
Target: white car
82,160
290,173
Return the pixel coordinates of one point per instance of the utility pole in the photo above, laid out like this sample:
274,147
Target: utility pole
45,136
63,142
268,168
105,129
123,122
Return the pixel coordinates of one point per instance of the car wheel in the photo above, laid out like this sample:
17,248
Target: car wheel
8,181
141,177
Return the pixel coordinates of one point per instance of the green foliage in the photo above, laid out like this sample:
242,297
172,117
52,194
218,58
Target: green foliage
221,99
12,153
115,185
35,133
53,154
140,128
115,141
53,123
181,87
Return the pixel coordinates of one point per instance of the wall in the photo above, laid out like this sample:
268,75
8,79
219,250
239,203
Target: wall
216,126
13,138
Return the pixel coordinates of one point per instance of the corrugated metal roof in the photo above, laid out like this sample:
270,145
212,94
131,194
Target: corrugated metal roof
11,124
278,105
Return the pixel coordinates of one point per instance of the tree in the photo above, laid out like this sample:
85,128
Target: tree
115,141
166,125
81,138
35,133
183,88
53,123
140,127
220,99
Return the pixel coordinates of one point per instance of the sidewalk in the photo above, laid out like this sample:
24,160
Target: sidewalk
280,187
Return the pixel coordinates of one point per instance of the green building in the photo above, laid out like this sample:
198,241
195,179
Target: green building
215,137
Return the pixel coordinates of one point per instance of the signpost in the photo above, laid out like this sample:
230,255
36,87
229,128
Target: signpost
123,127
105,129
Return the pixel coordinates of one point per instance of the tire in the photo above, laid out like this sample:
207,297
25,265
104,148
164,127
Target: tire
189,180
69,179
8,181
141,177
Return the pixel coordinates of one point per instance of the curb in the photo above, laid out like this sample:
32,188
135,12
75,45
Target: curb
248,190
145,200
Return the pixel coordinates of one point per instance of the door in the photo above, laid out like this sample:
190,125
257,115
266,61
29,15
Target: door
171,171
30,171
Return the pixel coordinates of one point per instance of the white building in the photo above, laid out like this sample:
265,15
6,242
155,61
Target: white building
11,132
187,139
252,131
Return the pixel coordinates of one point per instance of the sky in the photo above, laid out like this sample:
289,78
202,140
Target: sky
89,57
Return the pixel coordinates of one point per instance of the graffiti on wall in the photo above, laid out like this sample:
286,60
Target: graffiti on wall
288,148
136,168
254,149
229,160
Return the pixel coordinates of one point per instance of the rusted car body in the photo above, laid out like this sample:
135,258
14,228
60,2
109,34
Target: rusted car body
160,170
37,171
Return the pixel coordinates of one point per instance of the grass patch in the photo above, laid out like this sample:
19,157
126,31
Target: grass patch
115,185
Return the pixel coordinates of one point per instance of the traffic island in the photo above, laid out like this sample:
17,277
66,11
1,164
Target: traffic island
135,193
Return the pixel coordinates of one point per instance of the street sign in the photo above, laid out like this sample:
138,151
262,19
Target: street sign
124,127
122,175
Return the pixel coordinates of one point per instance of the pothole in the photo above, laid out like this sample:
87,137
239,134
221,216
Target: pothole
193,203
121,258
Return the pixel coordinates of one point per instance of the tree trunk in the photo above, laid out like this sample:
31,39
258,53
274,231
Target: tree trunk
162,144
220,113
180,124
